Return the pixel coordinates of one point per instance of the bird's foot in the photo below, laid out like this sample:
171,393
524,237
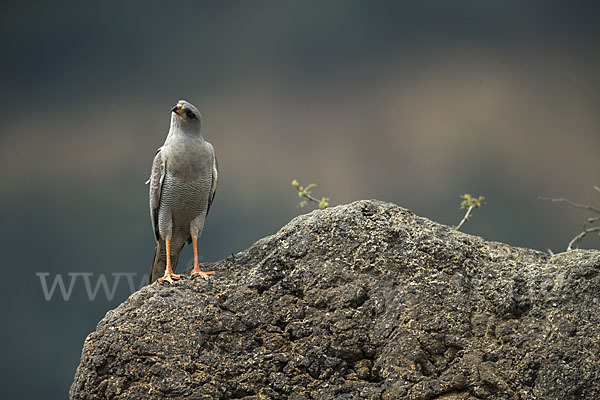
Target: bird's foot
169,277
196,272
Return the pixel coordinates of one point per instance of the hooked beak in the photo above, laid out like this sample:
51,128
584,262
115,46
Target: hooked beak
177,109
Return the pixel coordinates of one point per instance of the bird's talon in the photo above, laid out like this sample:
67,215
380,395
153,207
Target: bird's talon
169,278
203,274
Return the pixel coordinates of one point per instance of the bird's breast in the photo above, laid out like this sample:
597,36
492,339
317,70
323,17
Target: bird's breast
185,200
188,162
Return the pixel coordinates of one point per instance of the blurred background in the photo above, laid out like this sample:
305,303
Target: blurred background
411,102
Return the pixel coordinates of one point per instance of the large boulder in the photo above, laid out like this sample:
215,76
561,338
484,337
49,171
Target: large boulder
361,301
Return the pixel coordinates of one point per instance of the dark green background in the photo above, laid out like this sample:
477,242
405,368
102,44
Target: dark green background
409,102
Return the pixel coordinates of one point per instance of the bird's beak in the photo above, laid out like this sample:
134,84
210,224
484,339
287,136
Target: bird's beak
177,109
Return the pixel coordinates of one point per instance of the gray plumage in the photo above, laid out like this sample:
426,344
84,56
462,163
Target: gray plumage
182,186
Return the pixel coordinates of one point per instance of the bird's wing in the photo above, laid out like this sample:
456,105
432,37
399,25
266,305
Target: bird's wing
213,187
159,168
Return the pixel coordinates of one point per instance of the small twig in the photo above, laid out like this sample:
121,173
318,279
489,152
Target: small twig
305,194
311,198
571,203
469,202
465,218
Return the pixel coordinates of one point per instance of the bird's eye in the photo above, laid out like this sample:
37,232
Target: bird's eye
190,115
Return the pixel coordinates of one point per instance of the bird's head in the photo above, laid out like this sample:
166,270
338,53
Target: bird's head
186,116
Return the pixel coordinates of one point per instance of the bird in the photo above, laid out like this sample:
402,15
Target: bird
183,183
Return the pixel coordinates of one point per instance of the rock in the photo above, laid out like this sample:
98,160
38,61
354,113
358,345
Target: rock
362,301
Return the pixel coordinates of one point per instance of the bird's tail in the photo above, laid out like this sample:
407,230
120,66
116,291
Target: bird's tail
160,262
159,265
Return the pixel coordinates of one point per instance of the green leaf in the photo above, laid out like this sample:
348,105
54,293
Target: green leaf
302,203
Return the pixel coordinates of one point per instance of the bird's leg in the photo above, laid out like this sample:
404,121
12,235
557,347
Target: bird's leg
196,271
169,274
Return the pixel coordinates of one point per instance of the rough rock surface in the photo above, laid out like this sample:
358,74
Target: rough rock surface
362,301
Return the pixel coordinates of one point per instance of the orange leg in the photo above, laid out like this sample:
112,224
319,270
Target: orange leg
169,275
196,271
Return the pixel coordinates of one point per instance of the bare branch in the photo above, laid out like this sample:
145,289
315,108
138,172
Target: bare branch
580,236
586,226
571,203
